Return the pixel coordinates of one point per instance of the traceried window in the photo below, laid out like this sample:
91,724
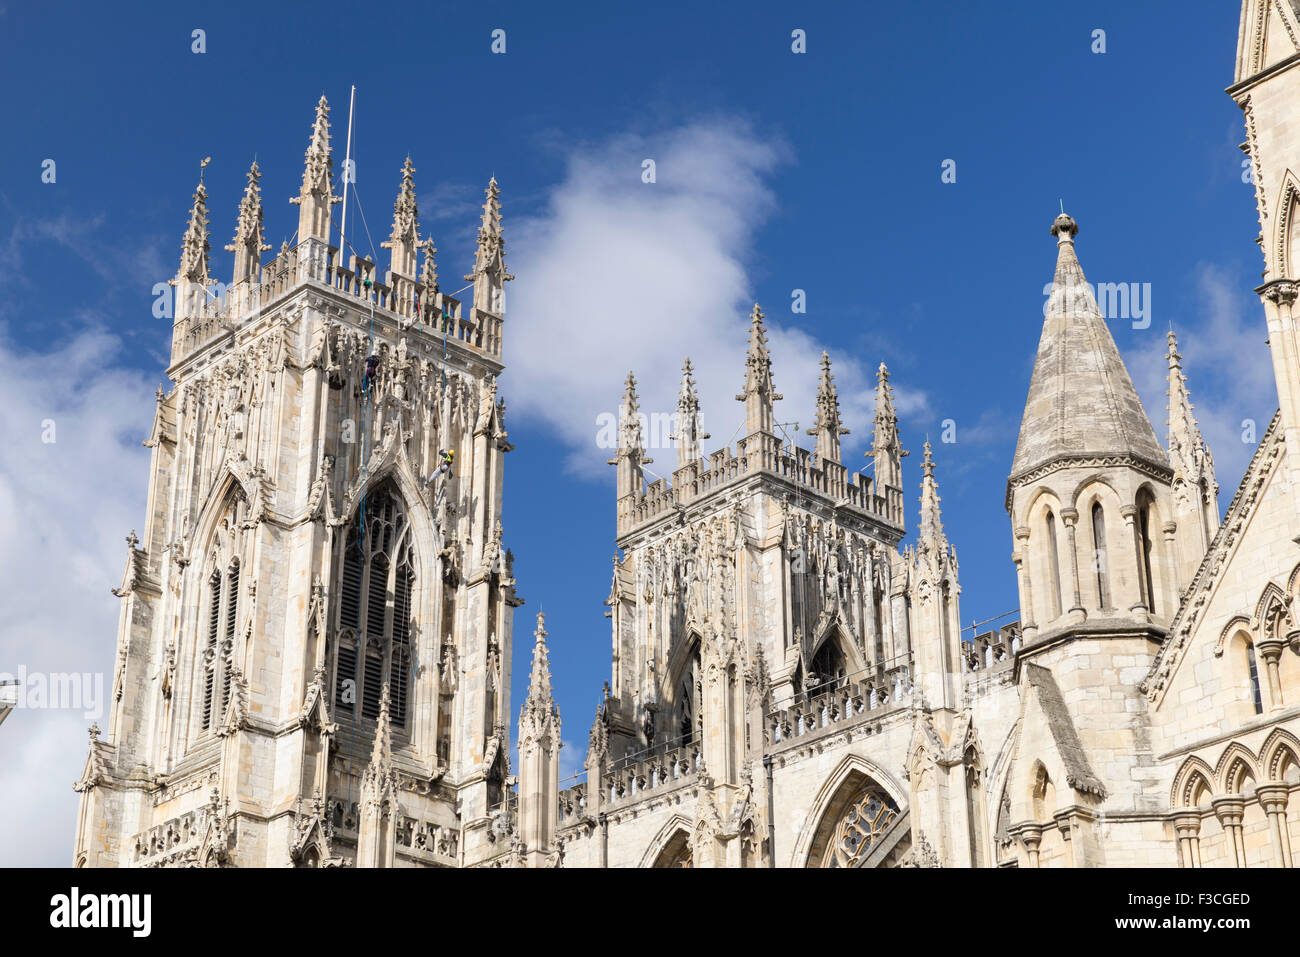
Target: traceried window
375,589
217,619
859,828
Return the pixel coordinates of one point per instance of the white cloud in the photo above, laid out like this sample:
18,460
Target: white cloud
617,274
64,510
1229,373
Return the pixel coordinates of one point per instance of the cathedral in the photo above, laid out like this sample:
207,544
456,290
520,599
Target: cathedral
316,627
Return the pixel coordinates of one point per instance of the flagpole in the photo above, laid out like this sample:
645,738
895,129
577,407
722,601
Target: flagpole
347,171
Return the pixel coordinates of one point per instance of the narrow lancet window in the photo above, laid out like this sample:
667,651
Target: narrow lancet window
1099,559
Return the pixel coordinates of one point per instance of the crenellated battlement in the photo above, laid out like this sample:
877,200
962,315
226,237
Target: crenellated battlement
410,307
817,473
206,310
800,468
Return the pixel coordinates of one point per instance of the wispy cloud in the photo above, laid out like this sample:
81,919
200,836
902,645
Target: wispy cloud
134,268
616,273
65,507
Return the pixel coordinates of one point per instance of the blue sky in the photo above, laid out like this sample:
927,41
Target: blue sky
775,171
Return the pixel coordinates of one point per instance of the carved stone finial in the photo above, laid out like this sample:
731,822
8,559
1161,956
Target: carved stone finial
1064,228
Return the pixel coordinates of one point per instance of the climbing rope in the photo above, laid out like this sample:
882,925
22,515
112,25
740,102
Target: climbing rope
369,379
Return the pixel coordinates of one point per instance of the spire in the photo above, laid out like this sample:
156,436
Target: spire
404,239
194,245
631,450
931,529
539,756
382,752
1081,400
1189,455
759,394
429,271
490,274
379,780
826,423
630,439
539,704
192,279
886,448
248,244
688,432
316,195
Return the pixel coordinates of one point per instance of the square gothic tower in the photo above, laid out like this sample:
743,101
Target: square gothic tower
313,661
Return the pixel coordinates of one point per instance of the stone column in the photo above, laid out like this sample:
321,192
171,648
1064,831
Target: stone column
1273,799
1187,826
1070,517
1270,649
1229,809
1138,608
1028,628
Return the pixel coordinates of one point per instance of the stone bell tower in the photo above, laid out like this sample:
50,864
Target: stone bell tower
314,646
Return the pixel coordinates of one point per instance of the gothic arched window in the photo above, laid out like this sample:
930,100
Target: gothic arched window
1145,548
859,827
829,669
1099,560
1053,567
686,706
218,611
375,587
1252,672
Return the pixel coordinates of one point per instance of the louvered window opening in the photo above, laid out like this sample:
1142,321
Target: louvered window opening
375,587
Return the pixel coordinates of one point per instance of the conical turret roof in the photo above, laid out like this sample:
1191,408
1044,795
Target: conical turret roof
1081,402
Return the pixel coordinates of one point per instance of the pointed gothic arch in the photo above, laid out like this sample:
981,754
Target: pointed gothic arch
834,657
215,592
1101,563
1285,247
1279,757
1293,581
1042,793
1147,523
227,483
1236,766
671,847
1270,596
683,690
1193,784
1235,623
374,611
1244,670
392,468
849,784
